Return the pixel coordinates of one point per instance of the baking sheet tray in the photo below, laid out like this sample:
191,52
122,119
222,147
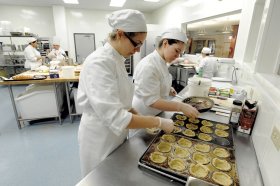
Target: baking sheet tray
182,176
35,77
183,120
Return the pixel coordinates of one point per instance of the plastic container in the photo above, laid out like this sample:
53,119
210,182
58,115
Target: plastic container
78,108
198,86
235,113
68,72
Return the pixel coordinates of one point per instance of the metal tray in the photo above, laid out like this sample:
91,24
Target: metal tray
222,141
202,104
35,77
182,176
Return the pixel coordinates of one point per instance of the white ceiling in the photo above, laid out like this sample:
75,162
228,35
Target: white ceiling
216,23
92,4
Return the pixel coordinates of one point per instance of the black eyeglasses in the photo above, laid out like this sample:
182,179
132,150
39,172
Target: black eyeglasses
136,45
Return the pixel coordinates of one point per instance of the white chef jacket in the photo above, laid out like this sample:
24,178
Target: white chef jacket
209,67
105,93
57,55
152,82
31,54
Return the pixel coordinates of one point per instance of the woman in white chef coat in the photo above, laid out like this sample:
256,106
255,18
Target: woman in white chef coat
207,66
32,56
153,81
57,53
105,92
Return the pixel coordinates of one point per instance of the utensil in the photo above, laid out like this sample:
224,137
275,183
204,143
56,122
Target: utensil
202,104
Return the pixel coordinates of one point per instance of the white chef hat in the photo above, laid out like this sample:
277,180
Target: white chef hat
174,33
30,40
128,20
56,41
206,50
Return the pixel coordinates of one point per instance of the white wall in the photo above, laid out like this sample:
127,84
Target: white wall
60,21
38,19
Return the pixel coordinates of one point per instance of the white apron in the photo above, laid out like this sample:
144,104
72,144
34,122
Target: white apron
105,92
152,82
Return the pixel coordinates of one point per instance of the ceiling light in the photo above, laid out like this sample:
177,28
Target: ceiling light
117,3
201,32
227,30
71,1
155,1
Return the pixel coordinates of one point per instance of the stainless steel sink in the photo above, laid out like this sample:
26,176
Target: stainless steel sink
197,182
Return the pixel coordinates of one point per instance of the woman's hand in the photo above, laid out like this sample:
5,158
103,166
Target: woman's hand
172,92
188,110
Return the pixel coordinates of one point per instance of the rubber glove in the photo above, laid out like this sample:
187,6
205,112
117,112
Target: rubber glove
167,125
188,110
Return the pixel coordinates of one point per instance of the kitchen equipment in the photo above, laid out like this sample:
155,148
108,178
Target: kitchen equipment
164,167
182,123
198,86
202,104
235,114
248,116
67,71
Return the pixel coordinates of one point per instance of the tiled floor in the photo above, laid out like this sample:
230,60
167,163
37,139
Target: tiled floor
42,154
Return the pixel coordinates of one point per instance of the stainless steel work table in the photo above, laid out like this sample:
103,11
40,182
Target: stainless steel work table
121,168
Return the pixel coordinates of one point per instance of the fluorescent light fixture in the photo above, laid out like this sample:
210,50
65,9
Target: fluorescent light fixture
71,1
154,1
117,3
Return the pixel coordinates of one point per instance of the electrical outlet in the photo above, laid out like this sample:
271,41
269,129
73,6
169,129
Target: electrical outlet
275,137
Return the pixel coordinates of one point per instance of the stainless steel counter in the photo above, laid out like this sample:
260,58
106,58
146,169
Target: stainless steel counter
121,167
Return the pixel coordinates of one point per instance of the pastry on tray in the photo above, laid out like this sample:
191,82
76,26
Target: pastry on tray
204,137
220,164
222,178
206,123
198,170
177,164
189,133
157,157
168,138
222,126
205,129
184,143
221,133
221,152
200,158
202,147
164,147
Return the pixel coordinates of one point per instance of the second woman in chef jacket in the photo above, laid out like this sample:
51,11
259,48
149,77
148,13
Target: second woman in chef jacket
105,92
32,56
153,81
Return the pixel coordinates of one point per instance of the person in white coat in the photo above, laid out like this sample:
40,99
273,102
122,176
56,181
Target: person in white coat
153,81
105,92
207,66
57,53
32,56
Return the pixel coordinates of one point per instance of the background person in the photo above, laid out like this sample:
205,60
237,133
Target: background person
32,56
57,53
105,92
207,66
153,81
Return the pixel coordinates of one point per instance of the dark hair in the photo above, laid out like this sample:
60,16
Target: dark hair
170,42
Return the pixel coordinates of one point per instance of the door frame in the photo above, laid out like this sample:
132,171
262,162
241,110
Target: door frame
75,42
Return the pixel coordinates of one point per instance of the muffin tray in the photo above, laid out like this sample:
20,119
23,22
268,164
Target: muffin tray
184,123
189,160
